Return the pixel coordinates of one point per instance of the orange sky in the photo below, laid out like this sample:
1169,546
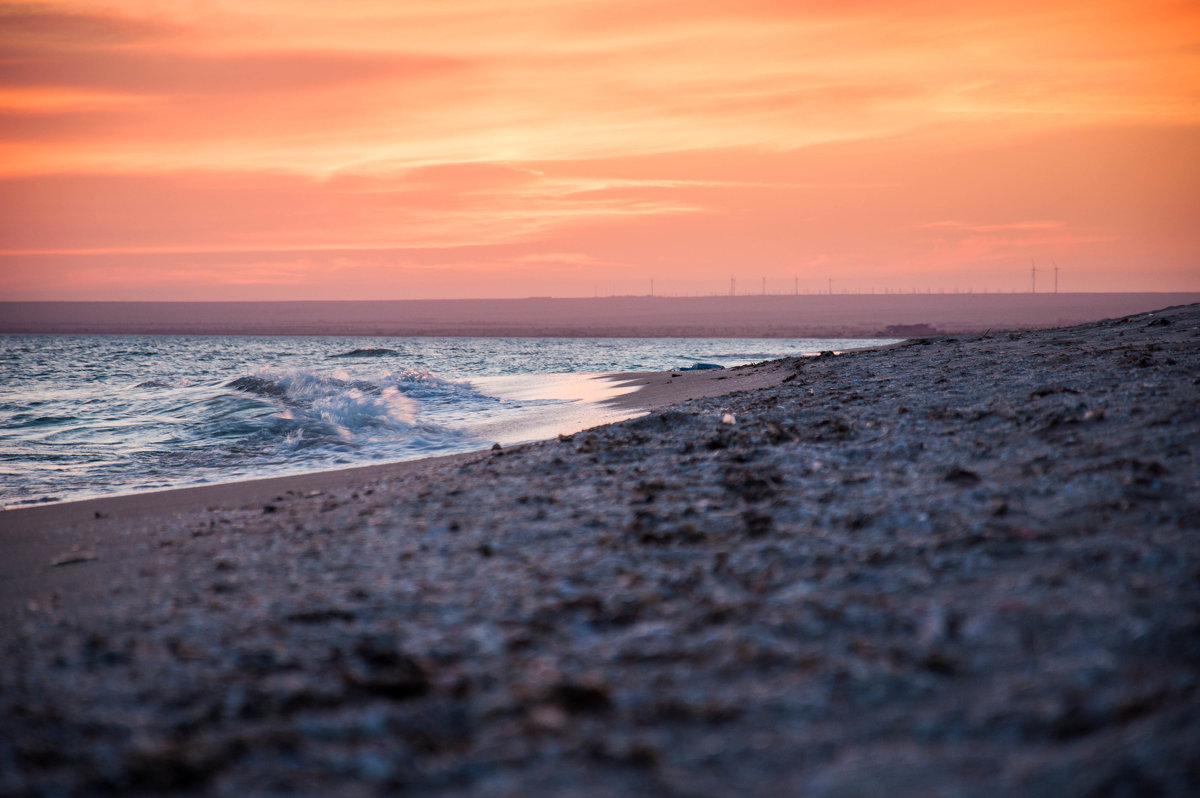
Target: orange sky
371,149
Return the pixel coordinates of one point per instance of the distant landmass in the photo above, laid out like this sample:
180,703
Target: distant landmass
804,316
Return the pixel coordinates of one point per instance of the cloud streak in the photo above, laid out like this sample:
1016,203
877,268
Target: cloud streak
631,136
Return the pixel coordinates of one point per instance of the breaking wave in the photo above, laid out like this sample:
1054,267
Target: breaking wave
302,409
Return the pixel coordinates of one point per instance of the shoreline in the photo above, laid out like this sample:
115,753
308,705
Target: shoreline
509,408
957,565
742,316
645,392
34,535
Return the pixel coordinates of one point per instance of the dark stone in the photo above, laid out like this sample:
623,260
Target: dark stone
961,476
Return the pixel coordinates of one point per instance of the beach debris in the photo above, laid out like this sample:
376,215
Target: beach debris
729,418
777,434
548,717
1050,390
757,524
319,615
958,475
73,558
661,421
940,625
586,695
752,484
941,663
377,666
717,442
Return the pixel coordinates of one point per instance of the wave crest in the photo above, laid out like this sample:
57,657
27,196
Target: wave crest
257,385
303,410
311,397
367,352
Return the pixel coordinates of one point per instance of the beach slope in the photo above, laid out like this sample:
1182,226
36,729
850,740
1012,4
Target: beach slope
961,565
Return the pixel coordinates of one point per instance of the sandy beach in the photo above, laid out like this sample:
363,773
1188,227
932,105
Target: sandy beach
963,565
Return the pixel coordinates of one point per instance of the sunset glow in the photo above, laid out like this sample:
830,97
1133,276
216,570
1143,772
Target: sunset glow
390,150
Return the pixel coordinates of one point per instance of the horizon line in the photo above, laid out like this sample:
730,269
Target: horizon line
775,295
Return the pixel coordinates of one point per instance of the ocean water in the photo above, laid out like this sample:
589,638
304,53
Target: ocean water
84,416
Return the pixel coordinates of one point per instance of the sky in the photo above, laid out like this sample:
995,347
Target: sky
383,149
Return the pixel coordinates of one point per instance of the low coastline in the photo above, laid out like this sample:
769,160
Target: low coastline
36,535
742,316
961,564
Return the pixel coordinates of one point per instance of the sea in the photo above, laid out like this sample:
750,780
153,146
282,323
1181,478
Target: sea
97,415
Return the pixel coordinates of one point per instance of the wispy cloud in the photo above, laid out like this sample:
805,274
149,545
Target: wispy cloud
323,88
32,25
599,134
139,72
1001,227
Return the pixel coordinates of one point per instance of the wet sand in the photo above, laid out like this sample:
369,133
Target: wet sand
962,565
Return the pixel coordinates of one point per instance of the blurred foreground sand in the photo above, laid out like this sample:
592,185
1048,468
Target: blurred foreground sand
964,566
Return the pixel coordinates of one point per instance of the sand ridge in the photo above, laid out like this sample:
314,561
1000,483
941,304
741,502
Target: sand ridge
963,565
